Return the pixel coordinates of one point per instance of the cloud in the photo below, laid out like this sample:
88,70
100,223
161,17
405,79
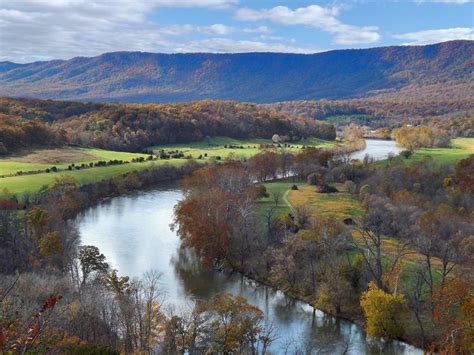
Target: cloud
226,45
217,29
49,29
259,29
323,18
436,36
455,2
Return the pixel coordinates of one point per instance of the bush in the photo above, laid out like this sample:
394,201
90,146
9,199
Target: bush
406,154
327,189
262,191
294,187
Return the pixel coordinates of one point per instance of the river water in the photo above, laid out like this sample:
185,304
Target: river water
134,234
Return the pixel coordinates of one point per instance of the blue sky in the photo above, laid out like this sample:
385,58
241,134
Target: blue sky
48,29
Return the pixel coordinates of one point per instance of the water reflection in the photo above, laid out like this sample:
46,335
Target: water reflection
133,232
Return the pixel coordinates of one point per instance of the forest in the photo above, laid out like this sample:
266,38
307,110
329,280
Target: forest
455,116
35,123
404,266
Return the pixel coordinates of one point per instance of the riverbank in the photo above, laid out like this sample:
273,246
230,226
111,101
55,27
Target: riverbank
126,227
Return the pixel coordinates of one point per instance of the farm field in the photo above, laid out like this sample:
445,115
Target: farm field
241,148
32,183
461,148
59,157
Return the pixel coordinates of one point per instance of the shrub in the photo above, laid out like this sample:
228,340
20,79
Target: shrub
406,154
327,189
262,191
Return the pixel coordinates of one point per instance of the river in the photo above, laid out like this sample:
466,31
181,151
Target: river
134,234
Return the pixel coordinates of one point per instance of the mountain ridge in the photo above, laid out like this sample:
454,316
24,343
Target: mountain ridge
443,69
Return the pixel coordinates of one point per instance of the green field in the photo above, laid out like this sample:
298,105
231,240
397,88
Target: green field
215,147
60,158
33,183
280,187
461,148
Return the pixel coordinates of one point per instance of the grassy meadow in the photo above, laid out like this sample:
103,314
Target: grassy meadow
42,159
339,205
61,158
239,148
461,148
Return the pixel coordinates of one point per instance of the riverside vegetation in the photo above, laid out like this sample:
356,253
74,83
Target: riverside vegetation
391,255
393,250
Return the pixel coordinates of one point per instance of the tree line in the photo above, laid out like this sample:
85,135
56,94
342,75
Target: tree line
30,123
452,115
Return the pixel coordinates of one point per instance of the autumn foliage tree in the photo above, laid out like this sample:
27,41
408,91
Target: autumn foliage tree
421,137
383,312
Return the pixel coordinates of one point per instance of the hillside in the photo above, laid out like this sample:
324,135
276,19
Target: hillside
437,71
30,123
455,115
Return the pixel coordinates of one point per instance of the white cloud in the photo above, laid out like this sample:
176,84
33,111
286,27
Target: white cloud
226,45
455,2
217,29
323,18
259,29
435,36
47,29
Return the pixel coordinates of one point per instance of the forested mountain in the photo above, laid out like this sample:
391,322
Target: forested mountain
440,71
28,123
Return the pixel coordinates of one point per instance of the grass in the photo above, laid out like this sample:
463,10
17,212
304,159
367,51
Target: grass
461,148
60,157
339,205
215,147
32,183
279,187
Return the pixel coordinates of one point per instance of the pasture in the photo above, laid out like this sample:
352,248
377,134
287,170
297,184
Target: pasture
223,147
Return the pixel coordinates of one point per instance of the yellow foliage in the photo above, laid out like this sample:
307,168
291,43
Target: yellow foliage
383,312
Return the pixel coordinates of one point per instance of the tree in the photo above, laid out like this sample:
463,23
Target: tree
233,325
38,220
383,312
92,260
276,194
51,245
416,137
264,166
353,137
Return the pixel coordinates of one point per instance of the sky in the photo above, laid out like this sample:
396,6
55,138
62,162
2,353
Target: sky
32,30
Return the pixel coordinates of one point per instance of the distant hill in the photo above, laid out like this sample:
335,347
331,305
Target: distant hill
26,123
442,70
